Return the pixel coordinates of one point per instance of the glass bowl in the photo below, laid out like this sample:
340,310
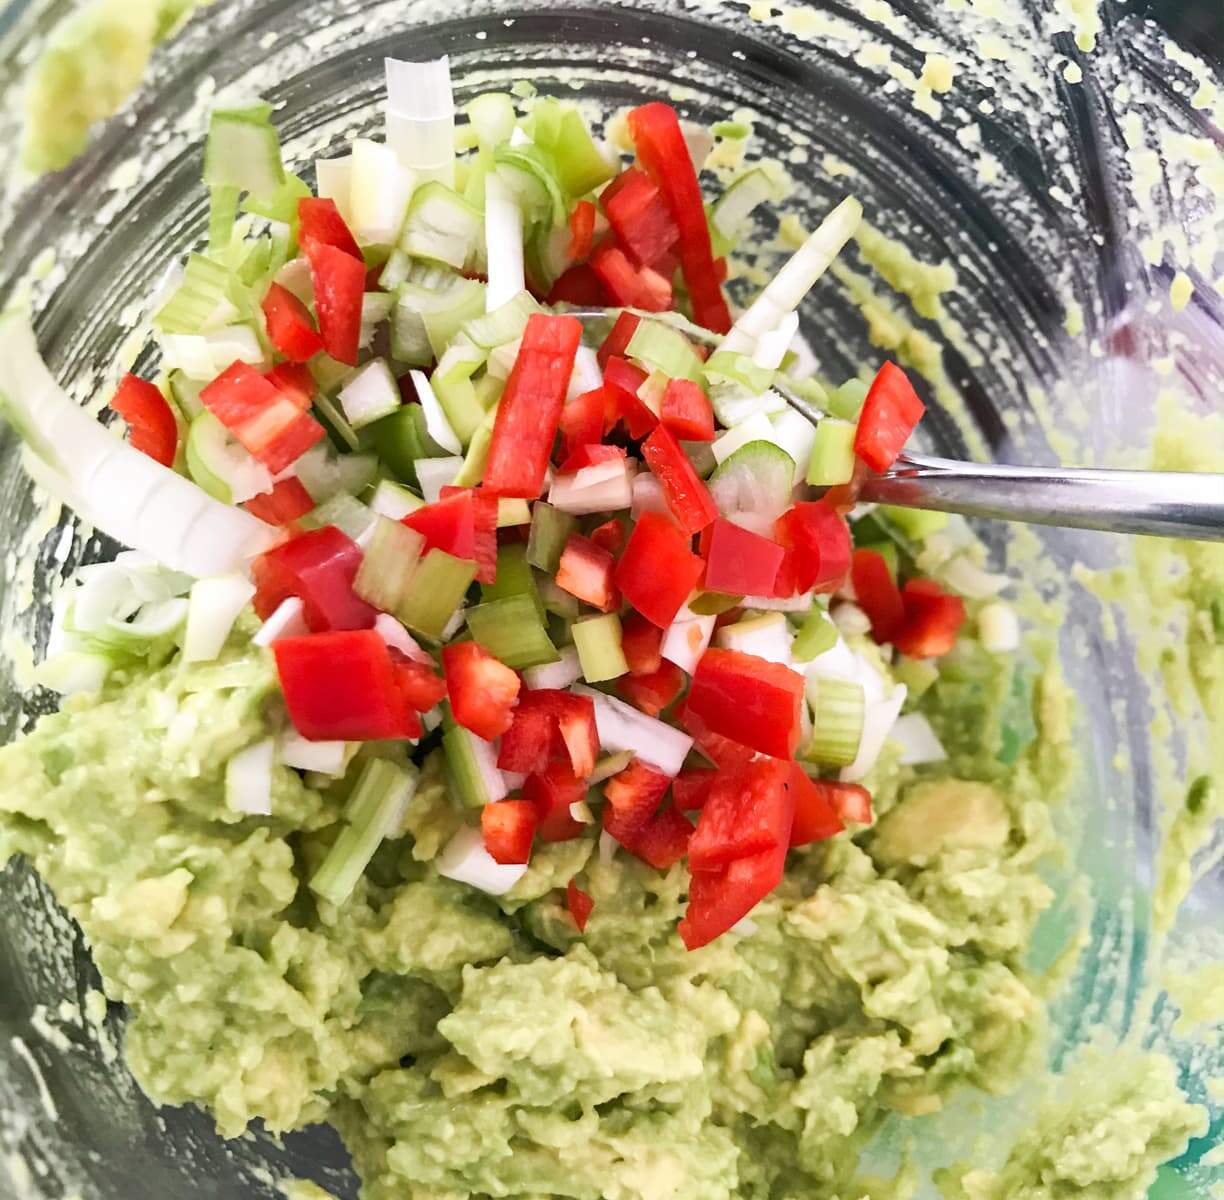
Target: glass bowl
1016,175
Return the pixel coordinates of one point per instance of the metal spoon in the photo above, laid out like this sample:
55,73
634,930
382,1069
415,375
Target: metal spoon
1157,503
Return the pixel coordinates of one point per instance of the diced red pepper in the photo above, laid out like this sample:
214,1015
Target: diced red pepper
748,699
618,339
582,230
552,790
295,381
718,899
687,411
586,571
691,789
574,718
852,802
152,428
657,572
933,619
339,287
877,594
320,224
343,686
579,285
630,286
318,568
889,415
642,644
845,496
609,536
663,841
684,490
662,151
746,812
530,409
590,455
420,685
740,562
527,746
290,326
284,504
816,807
653,693
621,383
632,798
508,828
463,522
266,421
582,420
482,690
580,905
724,752
640,218
819,541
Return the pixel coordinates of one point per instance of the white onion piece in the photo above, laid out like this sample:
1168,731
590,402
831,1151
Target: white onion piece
126,494
295,277
466,860
878,722
556,676
999,628
248,779
744,927
398,638
918,741
438,426
514,781
325,758
73,672
685,642
203,356
769,637
851,621
334,177
503,243
214,606
771,347
421,117
611,495
757,428
622,727
434,474
484,755
761,523
286,622
647,495
581,812
797,436
587,375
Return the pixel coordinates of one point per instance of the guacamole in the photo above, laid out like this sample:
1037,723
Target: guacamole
472,1046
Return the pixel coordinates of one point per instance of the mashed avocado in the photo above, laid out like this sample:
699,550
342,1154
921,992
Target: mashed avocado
467,1046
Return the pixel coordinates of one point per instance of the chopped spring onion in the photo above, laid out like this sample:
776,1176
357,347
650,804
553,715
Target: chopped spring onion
215,605
472,763
205,355
609,765
550,530
730,213
220,465
918,741
768,637
503,323
623,727
203,301
816,635
878,721
847,401
421,117
374,811
757,428
832,460
334,177
757,479
435,593
452,385
370,394
659,347
124,493
837,721
248,779
556,676
503,242
999,628
612,492
963,575
324,473
512,630
796,435
772,347
598,641
387,567
784,293
442,227
738,387
686,641
529,175
243,152
287,621
379,188
493,118
324,758
394,500
465,860
434,474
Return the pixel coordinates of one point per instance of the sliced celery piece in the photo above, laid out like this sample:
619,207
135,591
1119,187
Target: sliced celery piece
609,765
598,641
394,500
816,635
515,577
832,460
581,166
493,117
504,324
847,401
325,472
388,565
477,457
452,384
837,721
208,298
472,766
435,592
659,347
550,530
347,514
374,811
512,630
441,226
558,601
243,152
222,213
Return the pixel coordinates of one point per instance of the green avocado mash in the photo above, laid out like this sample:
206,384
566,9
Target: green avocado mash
467,1046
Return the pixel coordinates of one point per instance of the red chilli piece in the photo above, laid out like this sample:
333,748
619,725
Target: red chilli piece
890,413
508,828
619,337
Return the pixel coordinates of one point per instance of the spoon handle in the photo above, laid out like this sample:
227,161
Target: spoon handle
1159,503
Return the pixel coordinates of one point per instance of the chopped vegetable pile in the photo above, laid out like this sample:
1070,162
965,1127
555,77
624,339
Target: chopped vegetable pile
599,565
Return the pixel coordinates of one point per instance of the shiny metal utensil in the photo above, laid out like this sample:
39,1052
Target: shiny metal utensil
1157,503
